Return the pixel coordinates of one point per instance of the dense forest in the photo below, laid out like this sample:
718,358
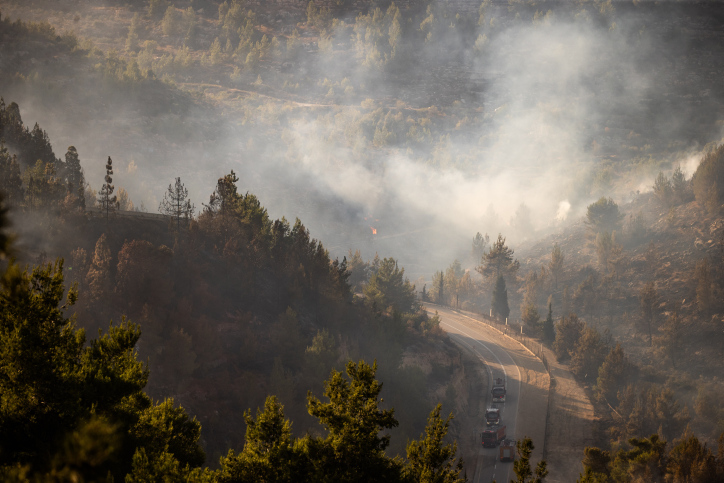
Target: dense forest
583,139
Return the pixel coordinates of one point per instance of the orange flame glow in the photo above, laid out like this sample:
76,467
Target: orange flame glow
374,230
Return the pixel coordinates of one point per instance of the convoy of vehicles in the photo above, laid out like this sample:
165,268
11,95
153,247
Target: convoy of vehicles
494,433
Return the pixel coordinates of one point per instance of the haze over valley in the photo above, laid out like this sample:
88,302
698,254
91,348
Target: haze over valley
263,192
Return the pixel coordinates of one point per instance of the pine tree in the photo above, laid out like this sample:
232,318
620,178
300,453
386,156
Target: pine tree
568,331
500,299
603,215
499,260
268,453
429,459
612,375
353,450
106,199
176,203
522,468
74,171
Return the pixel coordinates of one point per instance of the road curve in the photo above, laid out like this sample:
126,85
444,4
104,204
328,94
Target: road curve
524,412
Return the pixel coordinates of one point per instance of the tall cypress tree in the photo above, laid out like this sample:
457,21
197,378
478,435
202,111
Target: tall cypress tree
500,299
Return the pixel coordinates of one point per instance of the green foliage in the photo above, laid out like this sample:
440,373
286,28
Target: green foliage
163,428
429,459
377,36
708,180
521,466
613,375
499,304
588,354
498,260
646,461
648,408
353,450
389,287
568,331
690,460
603,216
269,454
54,387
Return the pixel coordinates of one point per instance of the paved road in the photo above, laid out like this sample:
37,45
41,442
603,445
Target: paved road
524,412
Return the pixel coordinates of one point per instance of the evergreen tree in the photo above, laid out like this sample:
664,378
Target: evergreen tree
498,261
691,461
269,454
353,450
613,374
431,461
521,466
74,174
568,331
500,299
588,354
225,198
106,199
603,216
176,203
388,286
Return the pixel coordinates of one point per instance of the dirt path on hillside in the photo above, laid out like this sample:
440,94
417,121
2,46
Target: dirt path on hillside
570,424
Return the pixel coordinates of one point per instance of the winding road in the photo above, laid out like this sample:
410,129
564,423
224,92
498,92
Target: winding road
524,411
